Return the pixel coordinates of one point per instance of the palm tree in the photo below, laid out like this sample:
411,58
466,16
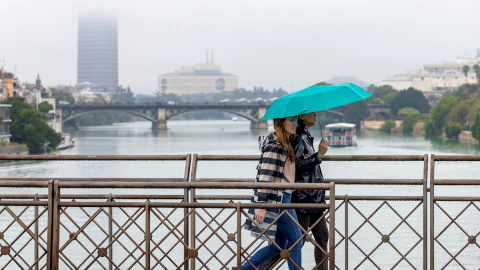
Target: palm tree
476,68
465,70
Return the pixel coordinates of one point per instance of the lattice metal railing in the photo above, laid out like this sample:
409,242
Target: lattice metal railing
23,235
454,218
53,230
412,254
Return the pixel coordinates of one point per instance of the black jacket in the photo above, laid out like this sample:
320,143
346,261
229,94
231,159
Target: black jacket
307,170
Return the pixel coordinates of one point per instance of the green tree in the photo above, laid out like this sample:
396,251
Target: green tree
465,70
453,129
476,69
44,107
465,91
123,95
408,111
29,126
410,121
321,84
385,93
356,112
409,98
62,95
434,125
476,128
412,116
95,118
474,110
387,126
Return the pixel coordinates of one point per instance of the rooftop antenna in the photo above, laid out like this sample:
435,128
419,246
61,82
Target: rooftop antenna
212,62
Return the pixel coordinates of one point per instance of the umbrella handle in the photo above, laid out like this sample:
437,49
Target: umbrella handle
320,125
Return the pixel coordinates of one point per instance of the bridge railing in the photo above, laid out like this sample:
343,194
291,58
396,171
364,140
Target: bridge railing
381,215
357,213
454,213
38,232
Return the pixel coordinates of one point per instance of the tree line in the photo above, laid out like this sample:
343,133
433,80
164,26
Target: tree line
456,111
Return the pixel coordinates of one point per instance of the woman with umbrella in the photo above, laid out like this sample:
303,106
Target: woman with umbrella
308,171
276,164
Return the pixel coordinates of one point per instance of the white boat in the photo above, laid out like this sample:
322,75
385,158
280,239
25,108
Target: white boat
341,134
67,142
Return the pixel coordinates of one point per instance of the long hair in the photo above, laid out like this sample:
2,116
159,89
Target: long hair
300,125
283,138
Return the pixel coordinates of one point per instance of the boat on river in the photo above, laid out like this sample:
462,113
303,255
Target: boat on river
67,142
341,134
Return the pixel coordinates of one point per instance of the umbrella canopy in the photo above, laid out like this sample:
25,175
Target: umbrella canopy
315,98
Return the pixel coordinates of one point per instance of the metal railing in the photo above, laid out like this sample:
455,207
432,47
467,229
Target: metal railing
461,221
190,229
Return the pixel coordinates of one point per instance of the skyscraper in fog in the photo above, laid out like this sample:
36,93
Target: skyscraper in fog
98,50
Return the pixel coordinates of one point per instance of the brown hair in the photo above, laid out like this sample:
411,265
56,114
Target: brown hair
283,138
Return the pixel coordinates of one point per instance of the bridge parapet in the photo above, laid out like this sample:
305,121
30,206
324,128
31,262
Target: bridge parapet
159,114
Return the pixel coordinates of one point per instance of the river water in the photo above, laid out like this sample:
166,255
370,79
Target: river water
235,138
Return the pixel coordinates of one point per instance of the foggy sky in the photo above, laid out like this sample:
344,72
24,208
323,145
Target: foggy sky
269,43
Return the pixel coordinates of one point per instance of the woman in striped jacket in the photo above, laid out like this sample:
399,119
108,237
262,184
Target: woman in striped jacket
276,165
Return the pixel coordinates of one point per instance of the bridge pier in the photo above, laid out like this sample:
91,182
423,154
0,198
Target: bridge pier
161,123
258,125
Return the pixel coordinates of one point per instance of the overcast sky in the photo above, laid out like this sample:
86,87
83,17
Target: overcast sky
270,43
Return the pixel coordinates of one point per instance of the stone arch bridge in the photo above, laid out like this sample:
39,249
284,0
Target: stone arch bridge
159,114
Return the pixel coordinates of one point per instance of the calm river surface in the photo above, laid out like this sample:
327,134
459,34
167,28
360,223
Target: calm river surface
235,138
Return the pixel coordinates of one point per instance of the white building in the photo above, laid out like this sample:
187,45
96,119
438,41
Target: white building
199,78
437,78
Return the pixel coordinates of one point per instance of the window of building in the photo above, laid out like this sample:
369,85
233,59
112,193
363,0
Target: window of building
164,84
220,84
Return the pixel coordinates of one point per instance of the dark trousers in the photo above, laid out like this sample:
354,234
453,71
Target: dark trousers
320,234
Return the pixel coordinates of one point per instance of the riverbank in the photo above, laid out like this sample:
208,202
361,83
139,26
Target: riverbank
464,137
14,149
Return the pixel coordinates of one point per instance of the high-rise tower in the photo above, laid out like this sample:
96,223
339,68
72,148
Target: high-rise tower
98,50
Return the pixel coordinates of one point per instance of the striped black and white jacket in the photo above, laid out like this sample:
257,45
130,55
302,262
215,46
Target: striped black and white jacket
269,170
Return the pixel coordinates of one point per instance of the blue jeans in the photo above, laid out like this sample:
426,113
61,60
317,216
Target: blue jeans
287,234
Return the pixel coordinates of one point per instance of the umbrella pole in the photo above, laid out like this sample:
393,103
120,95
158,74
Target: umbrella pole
320,125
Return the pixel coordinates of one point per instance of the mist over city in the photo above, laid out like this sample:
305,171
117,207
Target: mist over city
270,44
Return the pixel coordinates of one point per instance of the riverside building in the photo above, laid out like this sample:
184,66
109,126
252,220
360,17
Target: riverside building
200,78
98,50
435,79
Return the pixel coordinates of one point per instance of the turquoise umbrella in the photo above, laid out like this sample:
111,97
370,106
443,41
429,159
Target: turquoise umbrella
314,99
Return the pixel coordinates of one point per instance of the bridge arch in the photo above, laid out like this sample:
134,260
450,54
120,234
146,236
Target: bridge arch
158,114
150,116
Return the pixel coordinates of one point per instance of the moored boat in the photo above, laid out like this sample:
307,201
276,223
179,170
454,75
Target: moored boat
341,134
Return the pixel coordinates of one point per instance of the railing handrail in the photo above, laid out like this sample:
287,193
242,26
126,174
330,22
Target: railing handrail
191,183
96,157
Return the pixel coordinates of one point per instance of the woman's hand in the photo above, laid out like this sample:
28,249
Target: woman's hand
260,215
323,147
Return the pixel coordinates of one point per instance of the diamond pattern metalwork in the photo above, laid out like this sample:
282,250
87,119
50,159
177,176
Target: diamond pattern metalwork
171,239
465,242
384,238
23,242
